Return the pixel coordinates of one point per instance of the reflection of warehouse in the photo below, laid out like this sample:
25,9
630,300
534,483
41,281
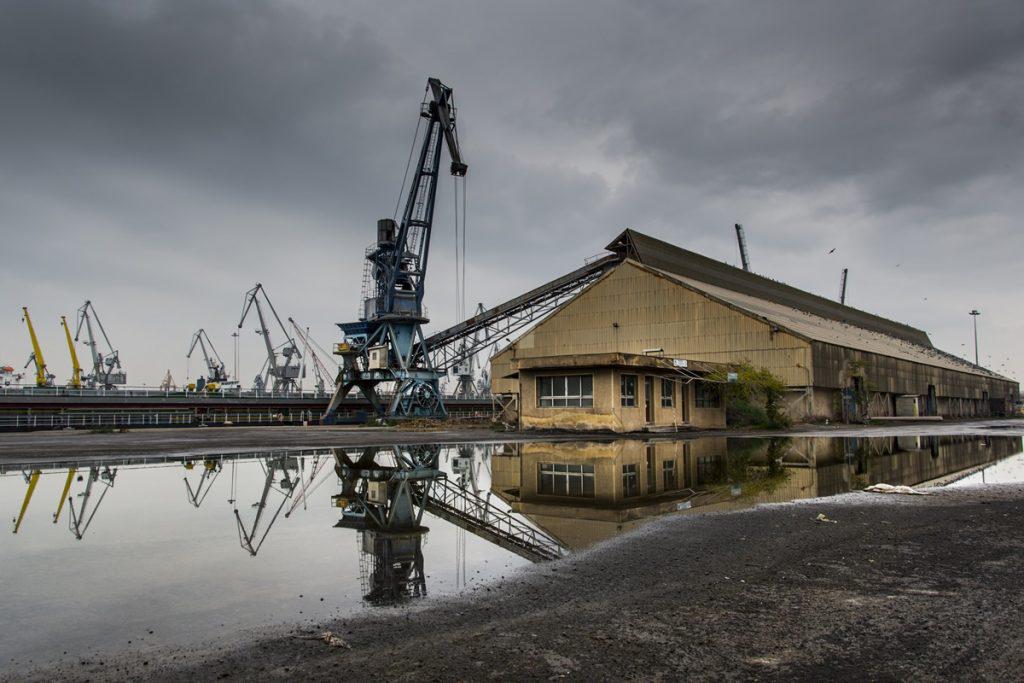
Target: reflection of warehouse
660,305
584,492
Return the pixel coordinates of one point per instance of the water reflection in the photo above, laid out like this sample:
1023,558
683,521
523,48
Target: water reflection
585,492
384,494
351,525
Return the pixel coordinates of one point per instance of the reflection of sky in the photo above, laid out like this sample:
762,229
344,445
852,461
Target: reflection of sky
151,561
1008,471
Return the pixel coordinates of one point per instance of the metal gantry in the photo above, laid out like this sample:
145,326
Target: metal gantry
106,362
282,368
387,344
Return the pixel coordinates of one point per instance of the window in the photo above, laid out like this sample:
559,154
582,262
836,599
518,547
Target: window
707,396
630,481
567,480
627,390
566,391
668,472
667,393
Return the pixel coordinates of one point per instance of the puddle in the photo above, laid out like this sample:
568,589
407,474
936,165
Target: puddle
153,551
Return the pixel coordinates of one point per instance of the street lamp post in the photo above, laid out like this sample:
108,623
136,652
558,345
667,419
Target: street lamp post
974,314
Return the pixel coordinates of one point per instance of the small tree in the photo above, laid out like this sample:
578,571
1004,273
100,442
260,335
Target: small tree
754,399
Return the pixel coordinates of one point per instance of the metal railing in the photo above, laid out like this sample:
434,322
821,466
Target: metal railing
23,390
153,418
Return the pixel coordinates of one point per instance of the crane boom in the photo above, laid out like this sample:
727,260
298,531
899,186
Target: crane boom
284,371
106,365
43,378
387,343
76,370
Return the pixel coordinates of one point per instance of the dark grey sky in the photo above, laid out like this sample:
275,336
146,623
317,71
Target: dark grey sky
159,157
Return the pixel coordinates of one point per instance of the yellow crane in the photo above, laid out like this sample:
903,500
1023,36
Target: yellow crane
76,370
43,378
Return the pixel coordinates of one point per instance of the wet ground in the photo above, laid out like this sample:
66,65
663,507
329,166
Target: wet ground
172,566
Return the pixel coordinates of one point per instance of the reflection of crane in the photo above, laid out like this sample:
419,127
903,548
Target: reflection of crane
282,364
384,494
286,486
43,377
324,375
31,479
76,370
64,494
387,343
106,365
82,518
211,470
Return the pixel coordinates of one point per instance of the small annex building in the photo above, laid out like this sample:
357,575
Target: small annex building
634,350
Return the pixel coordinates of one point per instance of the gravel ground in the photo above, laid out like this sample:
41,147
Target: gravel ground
899,587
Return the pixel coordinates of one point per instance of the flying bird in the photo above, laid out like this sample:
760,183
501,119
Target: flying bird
831,250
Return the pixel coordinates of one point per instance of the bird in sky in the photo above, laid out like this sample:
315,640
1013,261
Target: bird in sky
831,250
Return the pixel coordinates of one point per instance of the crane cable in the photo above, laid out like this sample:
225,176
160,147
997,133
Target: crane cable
412,149
460,250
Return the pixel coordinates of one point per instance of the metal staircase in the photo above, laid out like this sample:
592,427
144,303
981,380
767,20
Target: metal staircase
477,515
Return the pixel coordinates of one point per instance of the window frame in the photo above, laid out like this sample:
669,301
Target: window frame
627,400
562,476
707,396
666,382
565,399
630,480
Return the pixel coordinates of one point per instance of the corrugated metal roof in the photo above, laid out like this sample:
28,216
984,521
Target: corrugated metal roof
668,257
818,328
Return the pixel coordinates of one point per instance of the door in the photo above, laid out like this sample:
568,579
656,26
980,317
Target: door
684,403
649,399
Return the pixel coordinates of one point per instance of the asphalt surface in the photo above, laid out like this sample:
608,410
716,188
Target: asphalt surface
899,587
79,444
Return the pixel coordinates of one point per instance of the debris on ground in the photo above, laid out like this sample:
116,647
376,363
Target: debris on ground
329,638
889,488
824,519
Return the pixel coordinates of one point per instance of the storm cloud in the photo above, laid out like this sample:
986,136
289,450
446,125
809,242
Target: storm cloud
159,157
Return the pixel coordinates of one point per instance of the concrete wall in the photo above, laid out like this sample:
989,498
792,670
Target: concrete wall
608,413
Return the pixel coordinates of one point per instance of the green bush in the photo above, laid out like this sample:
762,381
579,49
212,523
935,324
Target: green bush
754,399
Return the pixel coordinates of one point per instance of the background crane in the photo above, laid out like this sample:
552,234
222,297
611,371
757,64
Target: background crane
106,365
315,355
216,371
387,343
43,376
282,367
76,370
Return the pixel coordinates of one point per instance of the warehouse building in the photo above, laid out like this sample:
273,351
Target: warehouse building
635,350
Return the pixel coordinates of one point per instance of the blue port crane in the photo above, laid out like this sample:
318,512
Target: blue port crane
386,345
